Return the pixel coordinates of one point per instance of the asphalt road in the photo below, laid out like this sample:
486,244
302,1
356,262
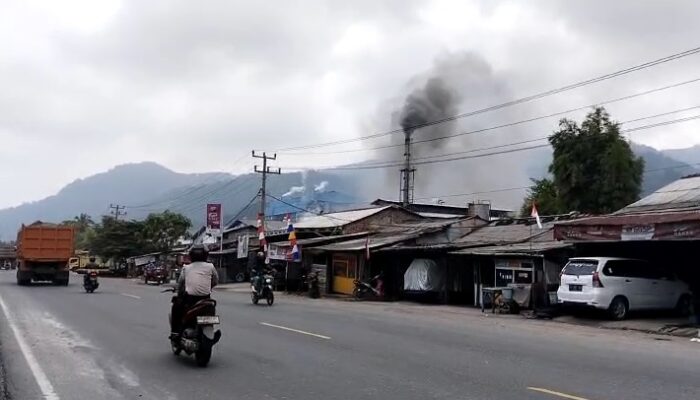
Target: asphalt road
113,345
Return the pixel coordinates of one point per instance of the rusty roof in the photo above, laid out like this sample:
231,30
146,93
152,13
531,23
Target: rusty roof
636,219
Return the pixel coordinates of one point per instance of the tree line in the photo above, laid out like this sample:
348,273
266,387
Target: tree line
117,240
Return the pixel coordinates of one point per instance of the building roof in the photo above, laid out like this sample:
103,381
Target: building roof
635,219
375,242
515,249
337,219
683,194
506,232
439,209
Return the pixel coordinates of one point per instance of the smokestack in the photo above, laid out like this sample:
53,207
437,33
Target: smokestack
408,172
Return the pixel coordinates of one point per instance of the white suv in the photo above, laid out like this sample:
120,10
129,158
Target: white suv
620,285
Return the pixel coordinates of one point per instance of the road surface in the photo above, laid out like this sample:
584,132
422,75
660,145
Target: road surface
61,343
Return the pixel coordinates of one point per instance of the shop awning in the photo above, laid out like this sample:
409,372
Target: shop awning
671,225
515,249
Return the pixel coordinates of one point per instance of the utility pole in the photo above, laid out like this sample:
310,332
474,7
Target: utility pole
264,171
408,172
117,210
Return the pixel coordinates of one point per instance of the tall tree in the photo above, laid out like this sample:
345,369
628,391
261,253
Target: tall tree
542,193
594,169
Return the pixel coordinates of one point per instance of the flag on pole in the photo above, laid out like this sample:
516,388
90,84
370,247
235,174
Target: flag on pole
292,239
534,214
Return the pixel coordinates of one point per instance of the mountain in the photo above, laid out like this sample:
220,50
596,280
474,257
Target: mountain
660,168
148,187
125,184
690,155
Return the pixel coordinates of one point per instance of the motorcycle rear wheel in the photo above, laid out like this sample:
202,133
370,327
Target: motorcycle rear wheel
270,298
203,355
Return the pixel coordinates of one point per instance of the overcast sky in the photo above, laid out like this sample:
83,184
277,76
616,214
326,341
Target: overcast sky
86,85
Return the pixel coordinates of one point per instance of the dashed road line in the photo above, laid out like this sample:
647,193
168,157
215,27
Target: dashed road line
296,331
555,393
40,377
133,296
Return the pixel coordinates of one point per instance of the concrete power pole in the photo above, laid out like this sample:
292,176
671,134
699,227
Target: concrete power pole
407,173
117,210
264,171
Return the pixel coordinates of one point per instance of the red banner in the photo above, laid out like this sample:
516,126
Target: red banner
214,216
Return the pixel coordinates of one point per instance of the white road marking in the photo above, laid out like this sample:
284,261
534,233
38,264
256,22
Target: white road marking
555,393
133,296
42,380
296,330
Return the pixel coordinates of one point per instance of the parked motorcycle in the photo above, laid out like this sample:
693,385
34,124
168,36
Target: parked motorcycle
90,282
366,289
312,282
198,335
261,288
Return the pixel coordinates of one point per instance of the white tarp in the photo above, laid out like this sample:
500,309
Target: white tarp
424,275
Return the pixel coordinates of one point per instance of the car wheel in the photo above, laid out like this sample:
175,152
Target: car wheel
240,277
684,305
618,308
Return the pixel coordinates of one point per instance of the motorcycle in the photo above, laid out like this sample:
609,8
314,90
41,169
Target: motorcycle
197,335
312,282
90,282
261,288
363,289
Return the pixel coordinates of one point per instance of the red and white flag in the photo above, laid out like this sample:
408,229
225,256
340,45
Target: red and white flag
534,214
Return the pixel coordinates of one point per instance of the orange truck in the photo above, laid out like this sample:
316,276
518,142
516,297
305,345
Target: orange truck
43,252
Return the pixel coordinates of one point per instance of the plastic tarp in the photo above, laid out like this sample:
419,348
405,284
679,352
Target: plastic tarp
424,275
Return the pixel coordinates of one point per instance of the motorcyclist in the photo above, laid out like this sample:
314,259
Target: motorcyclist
259,270
91,265
195,283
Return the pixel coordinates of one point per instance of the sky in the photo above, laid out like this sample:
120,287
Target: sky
195,86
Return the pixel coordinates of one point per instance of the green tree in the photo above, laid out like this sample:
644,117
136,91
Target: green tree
84,230
542,193
593,169
161,231
117,239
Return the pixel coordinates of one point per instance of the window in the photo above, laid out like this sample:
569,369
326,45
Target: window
580,267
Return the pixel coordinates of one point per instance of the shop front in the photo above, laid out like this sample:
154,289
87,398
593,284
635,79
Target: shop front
344,268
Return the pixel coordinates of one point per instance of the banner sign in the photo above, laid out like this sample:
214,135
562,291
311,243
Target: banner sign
242,246
660,231
214,218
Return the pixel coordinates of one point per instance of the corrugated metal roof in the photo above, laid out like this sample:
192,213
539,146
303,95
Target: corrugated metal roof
498,232
338,219
681,194
439,215
527,248
375,242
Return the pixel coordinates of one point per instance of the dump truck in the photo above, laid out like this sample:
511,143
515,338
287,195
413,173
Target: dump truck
43,251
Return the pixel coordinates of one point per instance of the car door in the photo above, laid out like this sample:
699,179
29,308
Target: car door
657,294
632,283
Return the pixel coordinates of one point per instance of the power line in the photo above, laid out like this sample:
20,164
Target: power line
117,210
512,102
429,160
235,217
510,124
308,211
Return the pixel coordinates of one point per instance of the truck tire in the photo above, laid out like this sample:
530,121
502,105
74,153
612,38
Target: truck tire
22,279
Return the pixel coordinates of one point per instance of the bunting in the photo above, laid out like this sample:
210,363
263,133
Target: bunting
294,254
261,235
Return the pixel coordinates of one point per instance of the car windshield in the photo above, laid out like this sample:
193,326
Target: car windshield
580,267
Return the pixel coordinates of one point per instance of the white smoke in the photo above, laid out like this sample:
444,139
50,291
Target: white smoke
295,190
321,187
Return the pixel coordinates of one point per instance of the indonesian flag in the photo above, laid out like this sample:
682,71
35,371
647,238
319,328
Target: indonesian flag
534,214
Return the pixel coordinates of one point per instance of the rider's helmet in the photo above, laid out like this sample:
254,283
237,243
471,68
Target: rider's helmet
199,252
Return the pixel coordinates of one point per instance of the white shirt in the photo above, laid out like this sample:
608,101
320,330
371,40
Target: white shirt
198,278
